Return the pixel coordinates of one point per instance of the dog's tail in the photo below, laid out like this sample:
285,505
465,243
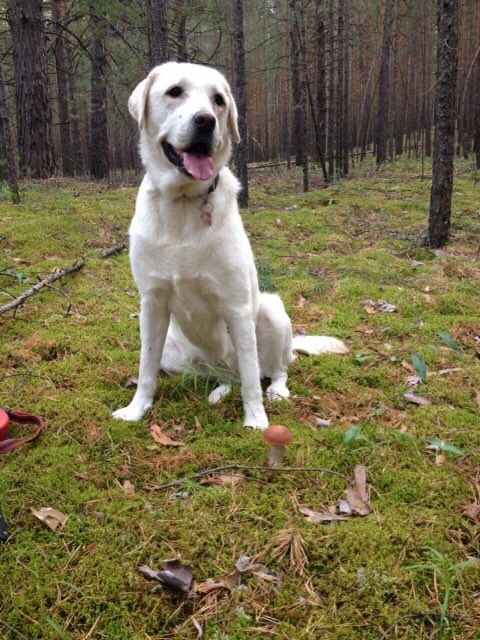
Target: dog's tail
315,345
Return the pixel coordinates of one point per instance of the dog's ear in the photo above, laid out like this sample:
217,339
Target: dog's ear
232,117
137,103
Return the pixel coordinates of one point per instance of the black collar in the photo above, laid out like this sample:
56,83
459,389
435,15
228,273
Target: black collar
214,185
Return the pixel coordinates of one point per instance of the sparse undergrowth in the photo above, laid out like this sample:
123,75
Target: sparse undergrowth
69,351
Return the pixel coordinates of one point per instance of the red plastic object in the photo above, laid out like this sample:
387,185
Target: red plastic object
4,420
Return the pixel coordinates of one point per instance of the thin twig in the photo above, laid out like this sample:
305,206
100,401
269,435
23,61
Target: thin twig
243,467
40,285
106,253
15,631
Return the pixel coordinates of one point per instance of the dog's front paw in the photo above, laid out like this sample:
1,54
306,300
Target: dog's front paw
255,417
132,413
278,391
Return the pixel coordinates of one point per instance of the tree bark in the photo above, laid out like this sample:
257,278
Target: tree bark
240,154
99,148
383,85
159,31
34,116
331,91
59,12
321,96
6,144
76,139
445,105
476,127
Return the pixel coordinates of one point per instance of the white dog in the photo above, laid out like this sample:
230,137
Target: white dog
191,259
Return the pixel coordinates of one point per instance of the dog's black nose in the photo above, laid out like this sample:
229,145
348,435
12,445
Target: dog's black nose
204,122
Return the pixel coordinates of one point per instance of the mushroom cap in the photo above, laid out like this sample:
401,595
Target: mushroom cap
278,435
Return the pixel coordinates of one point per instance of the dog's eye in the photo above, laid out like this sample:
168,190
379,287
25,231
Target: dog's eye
218,99
175,92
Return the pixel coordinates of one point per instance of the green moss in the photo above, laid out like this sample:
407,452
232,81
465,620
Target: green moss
69,351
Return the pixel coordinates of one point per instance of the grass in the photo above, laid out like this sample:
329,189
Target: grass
406,571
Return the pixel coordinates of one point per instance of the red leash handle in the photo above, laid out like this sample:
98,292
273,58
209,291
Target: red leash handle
9,444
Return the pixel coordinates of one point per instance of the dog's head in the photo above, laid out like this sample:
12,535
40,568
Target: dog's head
187,118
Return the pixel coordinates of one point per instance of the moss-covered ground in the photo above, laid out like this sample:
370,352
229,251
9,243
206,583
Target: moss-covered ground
406,571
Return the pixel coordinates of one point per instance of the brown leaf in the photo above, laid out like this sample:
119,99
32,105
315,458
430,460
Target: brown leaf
209,585
415,399
52,518
129,488
162,438
232,580
173,574
316,516
440,459
406,365
477,397
357,496
472,511
231,480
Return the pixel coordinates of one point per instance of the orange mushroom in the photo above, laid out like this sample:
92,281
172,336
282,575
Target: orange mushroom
277,437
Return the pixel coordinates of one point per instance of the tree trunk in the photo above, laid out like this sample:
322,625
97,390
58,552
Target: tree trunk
299,89
345,89
76,140
182,53
476,126
59,12
383,85
321,97
6,145
445,104
34,116
159,31
240,153
331,91
340,88
99,148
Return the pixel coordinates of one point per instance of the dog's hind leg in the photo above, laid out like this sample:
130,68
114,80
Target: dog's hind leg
274,340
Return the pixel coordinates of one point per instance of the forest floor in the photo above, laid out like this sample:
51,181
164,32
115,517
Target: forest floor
407,570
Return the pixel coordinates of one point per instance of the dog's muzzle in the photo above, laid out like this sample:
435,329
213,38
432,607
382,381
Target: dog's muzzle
196,160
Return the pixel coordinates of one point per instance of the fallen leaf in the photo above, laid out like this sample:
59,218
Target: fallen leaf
131,382
301,302
406,365
129,488
436,444
357,496
373,306
344,508
323,422
449,340
413,381
420,366
316,516
472,511
208,586
232,580
50,517
173,574
264,573
231,480
420,400
242,563
162,438
440,459
477,397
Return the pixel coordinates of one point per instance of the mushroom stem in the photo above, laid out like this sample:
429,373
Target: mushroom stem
276,455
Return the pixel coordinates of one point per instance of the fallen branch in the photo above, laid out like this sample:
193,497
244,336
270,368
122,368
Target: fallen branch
242,467
40,285
111,251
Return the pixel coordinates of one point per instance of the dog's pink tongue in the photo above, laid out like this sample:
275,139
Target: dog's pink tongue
200,167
